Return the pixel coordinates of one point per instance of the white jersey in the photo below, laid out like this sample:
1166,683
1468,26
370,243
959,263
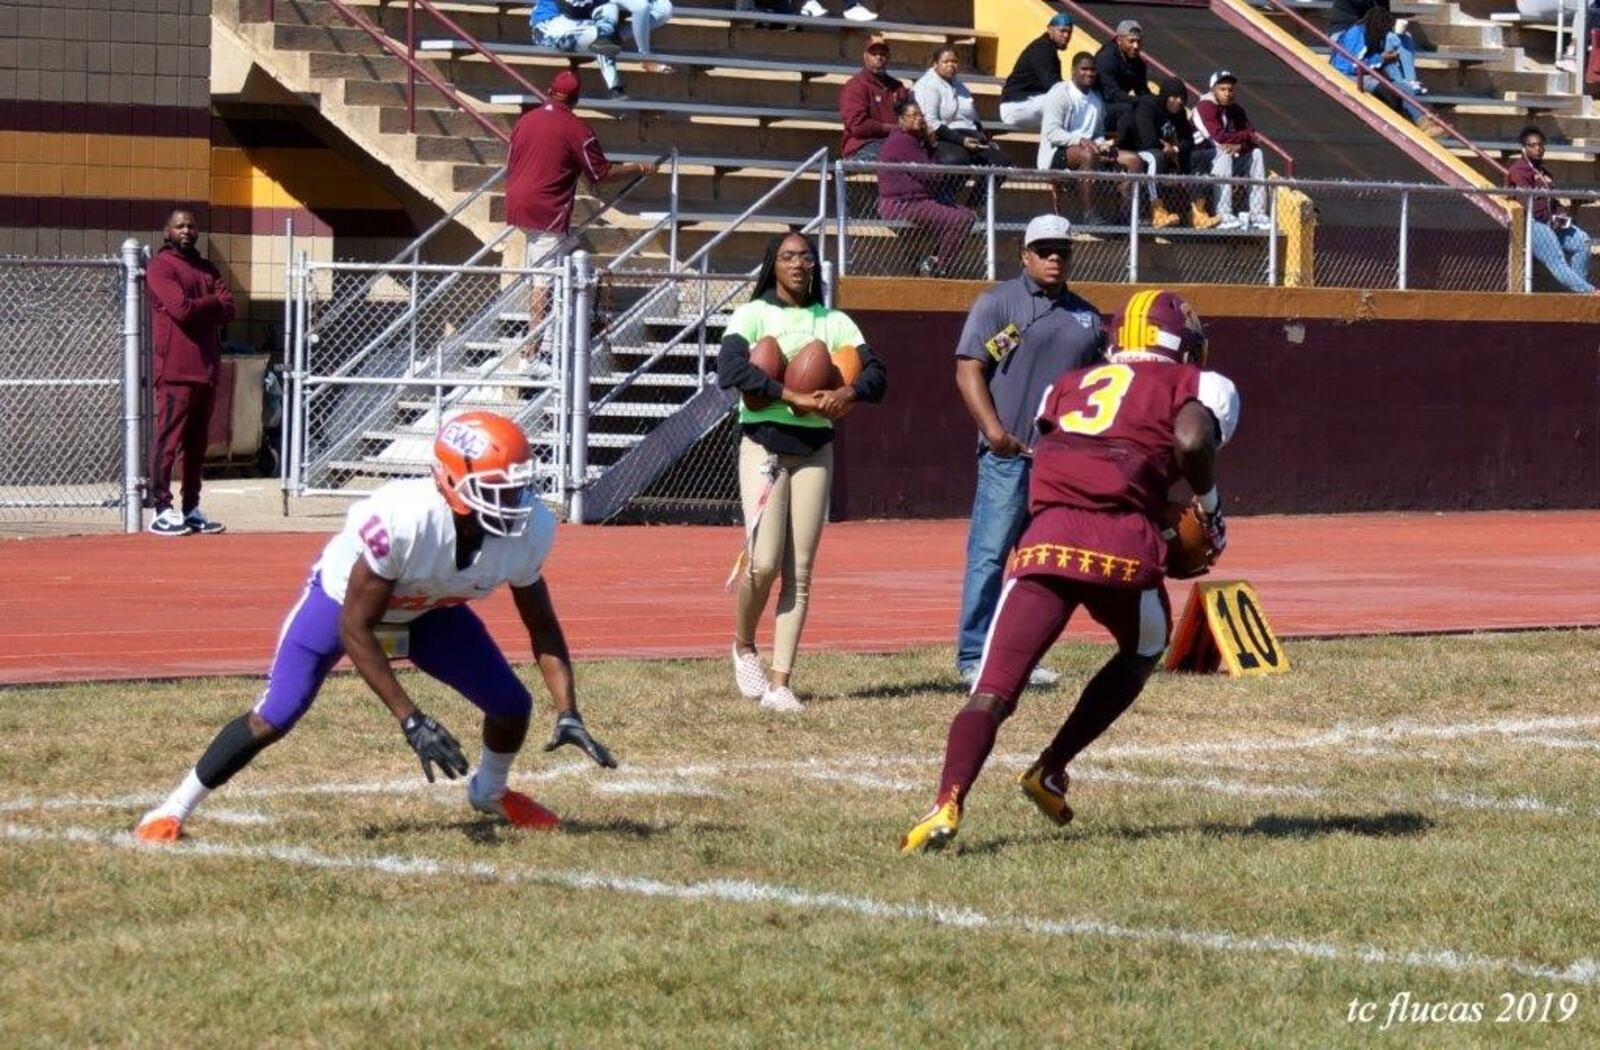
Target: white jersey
406,533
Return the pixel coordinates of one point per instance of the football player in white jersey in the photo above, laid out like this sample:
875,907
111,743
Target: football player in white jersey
396,583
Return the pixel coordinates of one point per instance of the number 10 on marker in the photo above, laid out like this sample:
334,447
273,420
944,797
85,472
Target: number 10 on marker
1223,626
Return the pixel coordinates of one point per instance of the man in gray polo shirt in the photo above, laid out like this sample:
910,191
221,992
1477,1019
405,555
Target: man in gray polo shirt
1019,337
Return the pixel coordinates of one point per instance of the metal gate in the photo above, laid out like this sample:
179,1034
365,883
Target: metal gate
385,353
71,404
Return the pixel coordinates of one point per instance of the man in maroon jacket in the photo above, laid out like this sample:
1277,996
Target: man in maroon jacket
551,146
189,304
1237,153
867,101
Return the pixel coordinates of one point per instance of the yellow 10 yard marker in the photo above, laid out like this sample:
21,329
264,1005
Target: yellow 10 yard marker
1223,626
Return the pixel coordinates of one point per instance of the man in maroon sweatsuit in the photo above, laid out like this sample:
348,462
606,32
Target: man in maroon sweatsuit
189,304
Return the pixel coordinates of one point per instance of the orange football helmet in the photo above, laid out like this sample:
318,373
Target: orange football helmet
484,467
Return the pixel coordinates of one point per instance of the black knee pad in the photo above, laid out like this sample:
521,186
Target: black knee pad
231,750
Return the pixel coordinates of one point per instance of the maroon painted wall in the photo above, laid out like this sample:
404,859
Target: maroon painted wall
1337,416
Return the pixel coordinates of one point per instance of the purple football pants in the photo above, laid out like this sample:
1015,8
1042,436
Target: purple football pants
450,644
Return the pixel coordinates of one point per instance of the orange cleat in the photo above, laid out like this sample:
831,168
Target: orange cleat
519,811
158,831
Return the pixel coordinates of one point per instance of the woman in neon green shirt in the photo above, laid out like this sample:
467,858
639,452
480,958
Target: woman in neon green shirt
785,455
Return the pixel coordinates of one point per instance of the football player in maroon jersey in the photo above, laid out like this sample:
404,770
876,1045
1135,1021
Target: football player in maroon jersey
1113,438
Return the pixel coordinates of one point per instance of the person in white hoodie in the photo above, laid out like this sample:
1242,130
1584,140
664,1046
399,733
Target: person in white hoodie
952,117
1073,136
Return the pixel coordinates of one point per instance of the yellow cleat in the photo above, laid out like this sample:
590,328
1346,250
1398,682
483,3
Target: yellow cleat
1048,791
933,831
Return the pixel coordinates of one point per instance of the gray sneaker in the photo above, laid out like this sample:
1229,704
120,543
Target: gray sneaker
1040,676
198,522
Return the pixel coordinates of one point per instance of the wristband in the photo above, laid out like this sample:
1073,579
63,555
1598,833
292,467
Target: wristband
1209,501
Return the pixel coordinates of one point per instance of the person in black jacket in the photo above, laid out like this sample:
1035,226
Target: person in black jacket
1123,76
1038,69
1161,133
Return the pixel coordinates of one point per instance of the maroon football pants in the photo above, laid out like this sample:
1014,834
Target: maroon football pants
183,417
1033,611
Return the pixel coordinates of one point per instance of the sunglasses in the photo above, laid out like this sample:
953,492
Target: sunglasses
1045,249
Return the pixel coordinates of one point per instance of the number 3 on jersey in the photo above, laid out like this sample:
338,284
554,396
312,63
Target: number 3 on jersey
1107,386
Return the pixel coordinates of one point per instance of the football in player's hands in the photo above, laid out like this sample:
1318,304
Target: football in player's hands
1194,538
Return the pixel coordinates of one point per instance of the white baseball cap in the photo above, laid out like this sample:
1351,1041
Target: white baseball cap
1046,228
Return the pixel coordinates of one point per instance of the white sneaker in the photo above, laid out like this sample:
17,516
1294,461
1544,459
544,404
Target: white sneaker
781,698
1044,676
858,13
748,676
814,10
1232,222
1261,222
169,523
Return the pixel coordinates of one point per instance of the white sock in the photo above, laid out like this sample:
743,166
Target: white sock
493,768
183,799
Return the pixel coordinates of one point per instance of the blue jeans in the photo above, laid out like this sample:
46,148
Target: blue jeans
645,15
1565,253
999,511
569,34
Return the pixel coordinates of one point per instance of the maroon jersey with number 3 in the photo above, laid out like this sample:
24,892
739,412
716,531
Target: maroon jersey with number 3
1101,470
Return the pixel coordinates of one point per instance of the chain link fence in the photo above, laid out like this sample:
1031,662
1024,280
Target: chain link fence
1167,229
386,353
66,412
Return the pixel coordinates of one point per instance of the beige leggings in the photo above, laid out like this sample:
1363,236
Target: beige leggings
785,541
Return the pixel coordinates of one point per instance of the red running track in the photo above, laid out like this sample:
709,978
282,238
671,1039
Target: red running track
78,608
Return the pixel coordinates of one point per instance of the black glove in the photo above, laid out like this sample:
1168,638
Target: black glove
433,744
571,730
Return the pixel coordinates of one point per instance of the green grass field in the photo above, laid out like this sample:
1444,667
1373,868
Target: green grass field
1251,861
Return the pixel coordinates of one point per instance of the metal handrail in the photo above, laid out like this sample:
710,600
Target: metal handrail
476,45
1363,68
381,38
1084,14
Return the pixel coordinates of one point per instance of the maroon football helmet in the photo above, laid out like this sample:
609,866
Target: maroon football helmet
1160,322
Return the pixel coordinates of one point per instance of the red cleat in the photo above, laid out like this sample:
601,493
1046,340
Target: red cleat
158,831
519,811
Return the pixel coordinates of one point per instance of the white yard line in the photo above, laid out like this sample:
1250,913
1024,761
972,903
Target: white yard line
746,892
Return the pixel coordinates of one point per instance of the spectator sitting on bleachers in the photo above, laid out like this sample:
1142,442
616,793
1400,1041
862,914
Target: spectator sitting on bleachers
952,116
1073,135
1346,13
916,196
1560,245
643,17
1124,79
856,12
1037,70
1236,154
1374,41
1161,135
867,103
581,25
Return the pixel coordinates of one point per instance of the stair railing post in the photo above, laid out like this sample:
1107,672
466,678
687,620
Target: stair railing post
1527,245
302,341
672,214
411,66
988,229
1272,240
1133,231
133,321
841,216
582,293
284,427
822,212
1405,225
705,279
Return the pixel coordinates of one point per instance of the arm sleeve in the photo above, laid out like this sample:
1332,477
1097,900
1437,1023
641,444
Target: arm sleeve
734,370
224,297
1045,64
873,382
595,164
541,536
1044,419
1218,393
855,110
982,322
1053,118
927,96
1105,63
168,291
